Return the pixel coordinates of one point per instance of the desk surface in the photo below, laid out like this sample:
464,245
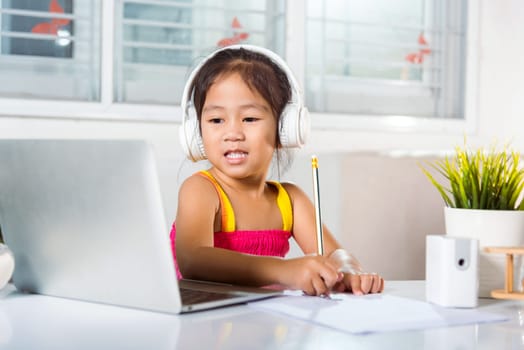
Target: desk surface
40,322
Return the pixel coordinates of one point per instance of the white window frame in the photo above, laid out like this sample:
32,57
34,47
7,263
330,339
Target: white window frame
394,123
106,109
46,66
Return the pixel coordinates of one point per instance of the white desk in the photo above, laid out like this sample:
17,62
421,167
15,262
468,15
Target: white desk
40,322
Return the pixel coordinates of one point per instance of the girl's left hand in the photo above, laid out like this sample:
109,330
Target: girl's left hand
360,284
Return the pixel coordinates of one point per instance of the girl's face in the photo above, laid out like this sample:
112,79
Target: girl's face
238,129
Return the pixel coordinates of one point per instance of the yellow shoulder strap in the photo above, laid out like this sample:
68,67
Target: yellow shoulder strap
228,216
284,204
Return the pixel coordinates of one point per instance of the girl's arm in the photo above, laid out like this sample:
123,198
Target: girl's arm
304,231
304,226
198,259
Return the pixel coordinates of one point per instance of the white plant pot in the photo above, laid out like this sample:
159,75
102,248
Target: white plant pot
491,228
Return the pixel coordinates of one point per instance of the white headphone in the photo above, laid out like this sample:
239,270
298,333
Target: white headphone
294,124
7,265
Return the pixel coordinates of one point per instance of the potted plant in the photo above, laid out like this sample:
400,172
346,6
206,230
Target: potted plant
483,194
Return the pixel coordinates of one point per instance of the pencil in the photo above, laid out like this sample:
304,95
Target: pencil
316,195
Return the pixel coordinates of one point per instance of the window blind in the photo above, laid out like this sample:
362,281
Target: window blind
49,49
158,42
386,58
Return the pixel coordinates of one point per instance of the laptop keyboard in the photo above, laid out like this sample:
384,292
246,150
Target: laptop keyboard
193,296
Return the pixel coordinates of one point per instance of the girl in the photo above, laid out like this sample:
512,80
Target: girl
232,225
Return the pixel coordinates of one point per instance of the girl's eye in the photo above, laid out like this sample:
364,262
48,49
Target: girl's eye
250,119
215,120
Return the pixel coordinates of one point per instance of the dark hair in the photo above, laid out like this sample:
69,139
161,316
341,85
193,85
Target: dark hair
258,71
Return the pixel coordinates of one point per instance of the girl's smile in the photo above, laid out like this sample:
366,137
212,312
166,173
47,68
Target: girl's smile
235,154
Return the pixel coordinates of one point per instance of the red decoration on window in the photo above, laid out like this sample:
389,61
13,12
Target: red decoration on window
415,58
422,40
418,57
238,36
55,23
236,24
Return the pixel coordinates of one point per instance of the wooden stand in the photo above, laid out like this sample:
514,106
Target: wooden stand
507,292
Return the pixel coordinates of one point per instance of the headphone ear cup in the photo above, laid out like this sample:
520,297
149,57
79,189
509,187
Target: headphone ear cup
304,125
294,126
190,139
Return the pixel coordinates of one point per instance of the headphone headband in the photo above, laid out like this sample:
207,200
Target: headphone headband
293,122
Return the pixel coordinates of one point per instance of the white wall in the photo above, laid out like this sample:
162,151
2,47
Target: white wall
500,114
501,85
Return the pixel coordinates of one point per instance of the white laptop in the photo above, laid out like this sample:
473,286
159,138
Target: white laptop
84,219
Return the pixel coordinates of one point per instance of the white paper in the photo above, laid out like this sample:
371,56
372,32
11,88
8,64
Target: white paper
372,313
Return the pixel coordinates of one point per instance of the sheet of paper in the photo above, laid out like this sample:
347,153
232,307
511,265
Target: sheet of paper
372,313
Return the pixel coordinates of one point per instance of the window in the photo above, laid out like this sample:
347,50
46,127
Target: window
381,57
157,42
50,49
360,63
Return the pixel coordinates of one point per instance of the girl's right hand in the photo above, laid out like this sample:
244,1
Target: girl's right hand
313,274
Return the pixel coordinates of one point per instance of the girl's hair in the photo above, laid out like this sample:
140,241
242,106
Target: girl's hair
258,71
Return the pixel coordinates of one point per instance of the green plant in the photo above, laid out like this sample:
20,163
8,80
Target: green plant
481,179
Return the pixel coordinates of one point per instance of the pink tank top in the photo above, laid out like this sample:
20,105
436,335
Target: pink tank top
259,242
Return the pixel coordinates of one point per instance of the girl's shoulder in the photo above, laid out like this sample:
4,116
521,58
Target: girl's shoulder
290,186
198,176
293,190
197,186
